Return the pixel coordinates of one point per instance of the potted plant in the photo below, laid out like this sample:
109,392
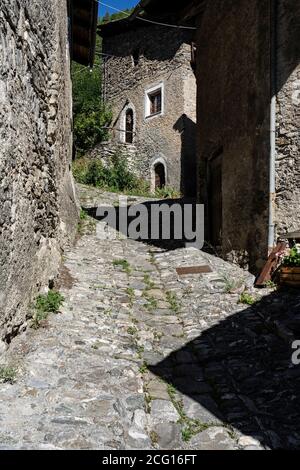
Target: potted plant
290,268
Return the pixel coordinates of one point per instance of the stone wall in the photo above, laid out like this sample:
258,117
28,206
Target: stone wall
105,151
163,57
38,213
233,75
234,96
288,117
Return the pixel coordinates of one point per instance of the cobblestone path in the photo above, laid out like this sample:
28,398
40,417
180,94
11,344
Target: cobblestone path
140,358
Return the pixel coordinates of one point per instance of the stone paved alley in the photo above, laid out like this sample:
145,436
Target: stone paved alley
140,358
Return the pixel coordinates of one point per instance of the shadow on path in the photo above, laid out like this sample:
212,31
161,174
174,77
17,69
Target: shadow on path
247,365
155,227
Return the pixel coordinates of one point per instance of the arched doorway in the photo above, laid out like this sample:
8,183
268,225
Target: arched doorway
160,176
129,124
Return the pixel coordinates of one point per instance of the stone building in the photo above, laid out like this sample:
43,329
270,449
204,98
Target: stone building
248,126
38,210
149,83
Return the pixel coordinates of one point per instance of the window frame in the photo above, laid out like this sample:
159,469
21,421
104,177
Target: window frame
122,131
150,92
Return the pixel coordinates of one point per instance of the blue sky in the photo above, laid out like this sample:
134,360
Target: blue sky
121,4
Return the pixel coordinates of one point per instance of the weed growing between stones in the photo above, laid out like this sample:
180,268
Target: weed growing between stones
144,368
131,330
122,263
271,285
140,350
83,214
152,257
151,302
148,400
131,295
7,374
158,335
173,302
149,283
154,438
246,298
231,285
86,224
191,427
44,305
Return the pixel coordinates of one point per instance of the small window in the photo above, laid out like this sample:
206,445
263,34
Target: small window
154,102
129,126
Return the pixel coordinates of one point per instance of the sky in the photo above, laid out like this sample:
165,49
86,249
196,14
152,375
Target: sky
121,4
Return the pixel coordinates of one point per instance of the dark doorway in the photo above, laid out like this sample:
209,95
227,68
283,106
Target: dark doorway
129,127
160,176
215,200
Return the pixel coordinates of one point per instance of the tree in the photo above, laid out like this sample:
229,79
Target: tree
89,113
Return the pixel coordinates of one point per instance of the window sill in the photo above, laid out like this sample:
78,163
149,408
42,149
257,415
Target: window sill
154,115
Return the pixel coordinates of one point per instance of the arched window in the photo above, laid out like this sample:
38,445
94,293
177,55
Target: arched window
160,176
129,126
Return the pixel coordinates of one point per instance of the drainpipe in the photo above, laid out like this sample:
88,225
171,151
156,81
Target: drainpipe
272,163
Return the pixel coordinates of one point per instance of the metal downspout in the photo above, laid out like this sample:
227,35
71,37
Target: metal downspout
272,163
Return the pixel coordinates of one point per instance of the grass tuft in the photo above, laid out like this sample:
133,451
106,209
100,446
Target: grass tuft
7,374
45,304
122,263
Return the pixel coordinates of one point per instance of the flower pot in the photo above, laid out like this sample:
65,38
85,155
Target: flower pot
290,276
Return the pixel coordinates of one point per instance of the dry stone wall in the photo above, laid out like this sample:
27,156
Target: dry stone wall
38,212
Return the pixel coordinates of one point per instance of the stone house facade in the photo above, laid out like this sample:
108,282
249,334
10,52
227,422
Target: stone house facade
38,210
248,126
149,83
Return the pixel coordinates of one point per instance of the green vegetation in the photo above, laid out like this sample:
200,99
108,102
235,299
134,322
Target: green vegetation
149,283
167,193
91,116
143,369
151,301
7,374
83,214
231,285
114,178
246,298
131,330
123,263
293,259
271,285
154,438
131,295
45,304
191,426
172,301
116,16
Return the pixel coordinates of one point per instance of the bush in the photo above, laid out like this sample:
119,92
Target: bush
90,115
89,128
116,177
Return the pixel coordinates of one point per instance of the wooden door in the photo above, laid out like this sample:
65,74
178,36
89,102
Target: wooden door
215,200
